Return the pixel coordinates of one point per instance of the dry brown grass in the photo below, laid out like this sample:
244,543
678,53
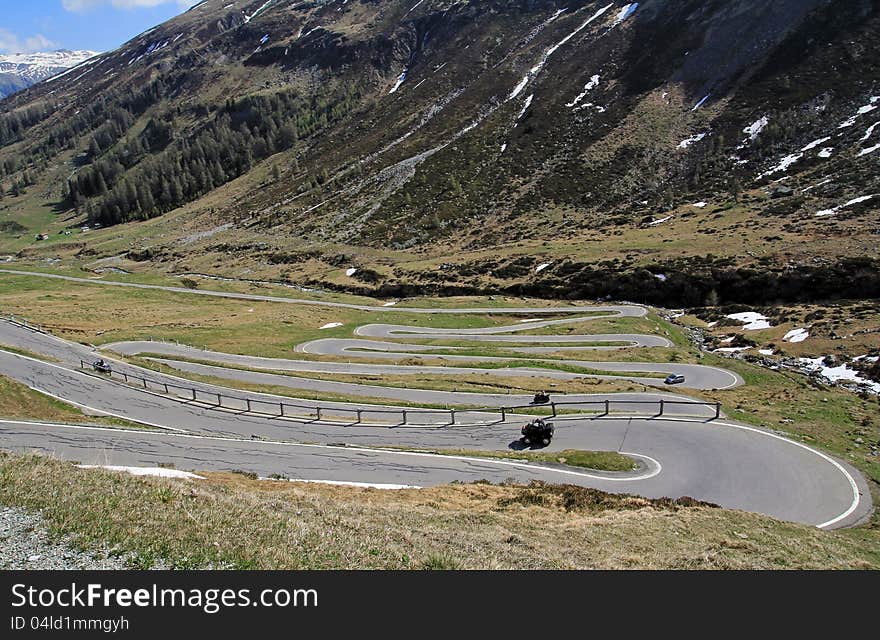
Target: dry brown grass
231,520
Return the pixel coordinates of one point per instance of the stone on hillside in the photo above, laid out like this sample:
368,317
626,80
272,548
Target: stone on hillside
781,191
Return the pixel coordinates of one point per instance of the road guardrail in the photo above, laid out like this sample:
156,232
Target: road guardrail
411,417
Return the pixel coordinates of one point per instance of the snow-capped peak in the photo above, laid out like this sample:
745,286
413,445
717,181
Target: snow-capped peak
38,66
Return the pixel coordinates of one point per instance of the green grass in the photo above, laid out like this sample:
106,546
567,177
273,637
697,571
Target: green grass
27,353
595,460
459,382
20,402
556,366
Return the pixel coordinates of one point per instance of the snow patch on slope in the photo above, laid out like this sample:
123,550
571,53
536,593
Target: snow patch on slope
796,335
754,129
753,320
684,144
534,71
831,212
592,84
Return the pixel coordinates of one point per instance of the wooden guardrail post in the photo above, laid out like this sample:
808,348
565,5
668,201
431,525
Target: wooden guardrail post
662,406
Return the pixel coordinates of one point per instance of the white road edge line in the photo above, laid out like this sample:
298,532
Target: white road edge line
855,487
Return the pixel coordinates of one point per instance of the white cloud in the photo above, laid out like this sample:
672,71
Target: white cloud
11,43
77,6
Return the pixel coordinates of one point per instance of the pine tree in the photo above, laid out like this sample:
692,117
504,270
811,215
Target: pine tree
735,188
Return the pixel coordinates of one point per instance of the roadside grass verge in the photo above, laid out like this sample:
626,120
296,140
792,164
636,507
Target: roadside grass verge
530,363
594,460
27,353
460,383
291,392
20,402
230,520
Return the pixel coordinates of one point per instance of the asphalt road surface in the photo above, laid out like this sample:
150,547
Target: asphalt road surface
718,461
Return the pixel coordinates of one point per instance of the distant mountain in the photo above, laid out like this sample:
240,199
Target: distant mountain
20,70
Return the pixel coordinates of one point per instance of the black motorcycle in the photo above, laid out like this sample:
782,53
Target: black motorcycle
102,367
538,431
541,398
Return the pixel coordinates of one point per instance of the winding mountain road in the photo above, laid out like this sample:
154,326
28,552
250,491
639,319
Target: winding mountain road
696,376
719,461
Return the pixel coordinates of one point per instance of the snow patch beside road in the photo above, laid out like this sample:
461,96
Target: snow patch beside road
364,485
159,472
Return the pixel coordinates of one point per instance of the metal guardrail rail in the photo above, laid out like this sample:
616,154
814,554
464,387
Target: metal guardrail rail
409,417
21,322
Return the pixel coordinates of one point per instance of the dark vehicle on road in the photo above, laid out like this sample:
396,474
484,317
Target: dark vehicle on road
674,378
541,398
538,431
102,367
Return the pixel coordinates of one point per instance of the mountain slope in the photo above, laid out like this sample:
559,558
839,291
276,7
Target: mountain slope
504,133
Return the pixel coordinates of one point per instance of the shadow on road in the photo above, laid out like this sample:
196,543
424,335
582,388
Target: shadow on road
519,445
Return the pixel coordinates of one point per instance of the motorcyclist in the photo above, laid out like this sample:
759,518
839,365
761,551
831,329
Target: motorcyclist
541,397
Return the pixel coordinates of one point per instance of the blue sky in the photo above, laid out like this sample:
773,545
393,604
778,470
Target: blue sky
98,25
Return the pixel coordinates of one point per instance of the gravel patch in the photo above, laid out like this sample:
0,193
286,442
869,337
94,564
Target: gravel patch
25,543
